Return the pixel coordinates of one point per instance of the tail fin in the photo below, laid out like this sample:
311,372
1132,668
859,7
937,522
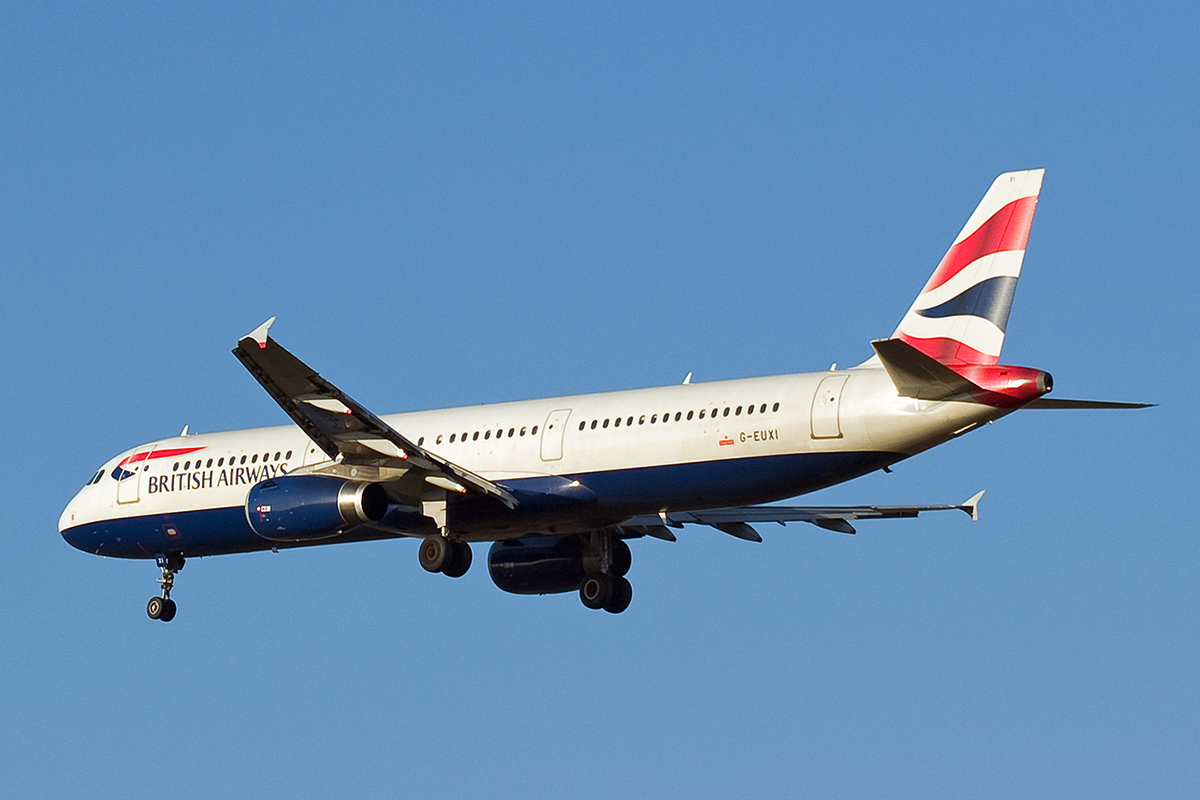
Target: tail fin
960,315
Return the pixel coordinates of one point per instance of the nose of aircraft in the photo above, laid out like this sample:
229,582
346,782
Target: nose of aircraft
67,518
70,519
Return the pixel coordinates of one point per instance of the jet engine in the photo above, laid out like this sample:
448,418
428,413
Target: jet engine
550,564
304,508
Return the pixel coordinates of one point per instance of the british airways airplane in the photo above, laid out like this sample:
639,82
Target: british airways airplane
559,486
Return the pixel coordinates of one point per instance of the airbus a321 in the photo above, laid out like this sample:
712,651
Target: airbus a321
560,486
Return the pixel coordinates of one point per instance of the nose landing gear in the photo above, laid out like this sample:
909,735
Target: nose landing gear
163,608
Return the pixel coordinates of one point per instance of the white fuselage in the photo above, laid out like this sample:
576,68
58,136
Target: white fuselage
640,451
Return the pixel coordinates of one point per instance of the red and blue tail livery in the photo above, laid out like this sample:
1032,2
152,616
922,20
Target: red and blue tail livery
558,488
960,315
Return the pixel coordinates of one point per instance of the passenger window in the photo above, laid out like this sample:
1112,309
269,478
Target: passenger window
187,465
220,462
629,421
679,413
750,409
763,409
420,442
453,436
775,407
209,464
288,454
593,424
253,460
522,430
510,432
487,434
654,418
617,424
605,425
690,414
726,414
737,413
243,460
438,440
475,436
175,467
582,425
277,455
534,431
641,419
701,414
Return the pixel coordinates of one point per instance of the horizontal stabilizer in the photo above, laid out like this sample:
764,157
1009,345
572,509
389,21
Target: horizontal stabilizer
918,375
1063,403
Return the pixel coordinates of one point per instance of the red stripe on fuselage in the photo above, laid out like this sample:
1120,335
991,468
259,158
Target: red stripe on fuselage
182,451
1007,229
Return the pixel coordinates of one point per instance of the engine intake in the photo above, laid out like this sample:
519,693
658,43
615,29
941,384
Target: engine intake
302,508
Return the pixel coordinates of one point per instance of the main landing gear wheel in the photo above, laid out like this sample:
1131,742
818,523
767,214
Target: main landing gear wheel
596,590
461,562
435,553
163,608
622,594
439,554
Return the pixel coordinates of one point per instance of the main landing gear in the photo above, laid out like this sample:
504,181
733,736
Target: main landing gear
608,589
163,607
449,557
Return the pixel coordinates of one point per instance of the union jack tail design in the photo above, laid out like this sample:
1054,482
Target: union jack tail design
960,315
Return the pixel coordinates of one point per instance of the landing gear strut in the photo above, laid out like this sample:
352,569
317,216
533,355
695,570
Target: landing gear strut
608,589
163,607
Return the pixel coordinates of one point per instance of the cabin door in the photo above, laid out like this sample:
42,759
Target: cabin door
129,482
552,434
826,402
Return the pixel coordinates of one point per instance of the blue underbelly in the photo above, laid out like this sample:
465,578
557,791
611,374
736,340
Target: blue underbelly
607,498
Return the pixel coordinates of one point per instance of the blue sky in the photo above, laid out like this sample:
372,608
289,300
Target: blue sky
480,203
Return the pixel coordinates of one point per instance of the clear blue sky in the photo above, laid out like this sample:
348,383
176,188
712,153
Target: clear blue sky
495,202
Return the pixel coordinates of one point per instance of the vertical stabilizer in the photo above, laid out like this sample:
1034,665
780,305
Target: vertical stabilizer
960,315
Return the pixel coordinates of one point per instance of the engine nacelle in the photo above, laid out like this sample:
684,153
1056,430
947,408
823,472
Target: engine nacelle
549,564
302,508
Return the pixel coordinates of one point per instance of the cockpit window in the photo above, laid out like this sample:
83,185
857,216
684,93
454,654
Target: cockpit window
96,478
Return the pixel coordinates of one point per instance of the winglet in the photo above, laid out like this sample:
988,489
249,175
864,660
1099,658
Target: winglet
972,506
259,334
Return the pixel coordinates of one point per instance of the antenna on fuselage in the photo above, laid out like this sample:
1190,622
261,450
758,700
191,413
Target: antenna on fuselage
688,379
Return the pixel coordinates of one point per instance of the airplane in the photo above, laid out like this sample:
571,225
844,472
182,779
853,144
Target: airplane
560,486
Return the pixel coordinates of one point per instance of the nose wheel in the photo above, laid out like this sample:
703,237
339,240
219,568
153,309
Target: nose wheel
163,608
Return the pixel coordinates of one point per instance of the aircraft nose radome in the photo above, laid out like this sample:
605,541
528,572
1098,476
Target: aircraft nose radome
66,519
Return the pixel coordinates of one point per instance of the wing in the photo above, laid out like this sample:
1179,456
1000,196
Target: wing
347,432
738,521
